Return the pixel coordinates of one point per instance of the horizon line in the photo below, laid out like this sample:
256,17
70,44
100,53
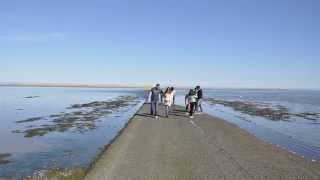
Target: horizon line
122,85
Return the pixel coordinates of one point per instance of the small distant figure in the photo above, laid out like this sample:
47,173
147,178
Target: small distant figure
199,99
173,91
192,98
154,97
168,100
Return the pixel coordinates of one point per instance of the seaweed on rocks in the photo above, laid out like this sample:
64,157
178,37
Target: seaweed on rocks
30,120
4,158
31,97
309,115
275,113
82,120
39,131
76,173
119,102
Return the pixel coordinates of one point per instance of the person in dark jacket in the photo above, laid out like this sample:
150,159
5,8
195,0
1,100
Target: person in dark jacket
155,97
199,99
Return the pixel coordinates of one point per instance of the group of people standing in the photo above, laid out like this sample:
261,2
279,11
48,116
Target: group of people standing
158,96
167,98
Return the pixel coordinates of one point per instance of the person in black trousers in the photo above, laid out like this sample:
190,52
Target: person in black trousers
192,99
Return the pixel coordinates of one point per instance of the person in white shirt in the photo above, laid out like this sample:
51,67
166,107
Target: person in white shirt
168,100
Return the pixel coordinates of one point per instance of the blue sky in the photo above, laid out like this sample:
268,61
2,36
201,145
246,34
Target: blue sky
216,43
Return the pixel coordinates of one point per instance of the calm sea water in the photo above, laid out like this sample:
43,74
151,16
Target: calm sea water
56,149
73,149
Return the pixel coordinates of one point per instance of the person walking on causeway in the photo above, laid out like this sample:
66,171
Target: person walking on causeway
192,99
168,100
154,97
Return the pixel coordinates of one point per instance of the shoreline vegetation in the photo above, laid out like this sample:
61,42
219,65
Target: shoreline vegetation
58,174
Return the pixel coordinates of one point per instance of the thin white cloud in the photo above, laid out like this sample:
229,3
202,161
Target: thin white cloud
34,38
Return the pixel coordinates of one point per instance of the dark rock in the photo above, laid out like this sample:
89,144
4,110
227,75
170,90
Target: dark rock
30,120
4,158
31,97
